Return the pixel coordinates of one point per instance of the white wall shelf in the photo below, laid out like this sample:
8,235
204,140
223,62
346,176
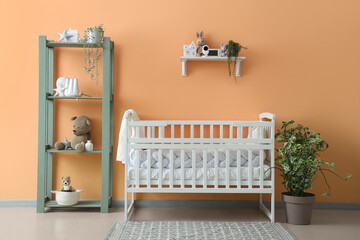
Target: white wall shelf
184,61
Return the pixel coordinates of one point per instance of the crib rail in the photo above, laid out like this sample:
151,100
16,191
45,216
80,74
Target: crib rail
245,138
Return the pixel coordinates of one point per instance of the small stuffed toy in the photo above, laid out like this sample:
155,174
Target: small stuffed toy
223,50
66,184
81,130
200,43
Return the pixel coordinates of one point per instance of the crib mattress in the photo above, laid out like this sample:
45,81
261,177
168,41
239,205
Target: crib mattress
210,173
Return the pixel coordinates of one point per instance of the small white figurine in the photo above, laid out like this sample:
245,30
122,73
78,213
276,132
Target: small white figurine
66,184
223,50
66,87
64,36
190,51
74,36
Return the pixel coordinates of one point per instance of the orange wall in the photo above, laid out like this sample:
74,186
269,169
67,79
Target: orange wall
302,64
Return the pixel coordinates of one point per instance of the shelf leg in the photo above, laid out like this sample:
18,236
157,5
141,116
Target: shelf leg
238,68
184,68
50,123
42,156
106,128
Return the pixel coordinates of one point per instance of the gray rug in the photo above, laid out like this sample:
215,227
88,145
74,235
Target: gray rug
198,231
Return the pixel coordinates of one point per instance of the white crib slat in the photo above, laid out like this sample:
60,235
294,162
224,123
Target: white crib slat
216,165
137,168
227,162
148,132
160,159
161,132
192,131
239,132
221,131
172,131
148,159
238,159
211,131
261,168
204,169
193,156
137,132
153,131
182,156
182,130
171,174
201,131
261,132
250,168
250,132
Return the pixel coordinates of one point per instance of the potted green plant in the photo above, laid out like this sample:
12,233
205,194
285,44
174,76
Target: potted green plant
233,50
94,36
300,164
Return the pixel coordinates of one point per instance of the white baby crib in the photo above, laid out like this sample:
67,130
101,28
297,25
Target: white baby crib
200,157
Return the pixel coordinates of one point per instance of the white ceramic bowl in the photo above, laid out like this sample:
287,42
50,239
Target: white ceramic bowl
67,198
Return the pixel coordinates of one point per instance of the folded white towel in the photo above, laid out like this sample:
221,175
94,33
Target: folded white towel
121,150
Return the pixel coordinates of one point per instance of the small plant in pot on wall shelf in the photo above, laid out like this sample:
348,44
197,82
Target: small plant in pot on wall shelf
300,164
233,50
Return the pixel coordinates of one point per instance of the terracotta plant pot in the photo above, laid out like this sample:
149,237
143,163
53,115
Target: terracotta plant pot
298,209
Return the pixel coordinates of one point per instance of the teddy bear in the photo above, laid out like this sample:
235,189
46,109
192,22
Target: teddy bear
66,184
223,50
81,130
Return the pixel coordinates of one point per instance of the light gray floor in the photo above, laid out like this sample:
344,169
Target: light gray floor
24,223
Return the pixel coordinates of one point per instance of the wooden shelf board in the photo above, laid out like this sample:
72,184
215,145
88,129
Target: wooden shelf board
81,203
90,98
71,44
209,58
72,151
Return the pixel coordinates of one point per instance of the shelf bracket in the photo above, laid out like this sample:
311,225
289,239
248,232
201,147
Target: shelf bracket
238,68
184,68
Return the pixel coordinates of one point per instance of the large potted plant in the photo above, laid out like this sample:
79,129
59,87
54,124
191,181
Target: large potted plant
300,164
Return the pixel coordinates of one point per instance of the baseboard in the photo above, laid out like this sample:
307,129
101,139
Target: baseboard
196,204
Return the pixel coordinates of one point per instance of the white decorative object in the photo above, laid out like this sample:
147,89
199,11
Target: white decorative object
190,51
74,36
64,36
89,146
210,58
197,142
66,87
67,198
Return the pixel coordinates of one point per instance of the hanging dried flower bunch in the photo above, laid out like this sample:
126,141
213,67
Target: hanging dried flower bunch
93,53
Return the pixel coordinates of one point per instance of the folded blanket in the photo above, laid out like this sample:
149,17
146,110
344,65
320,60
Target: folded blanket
199,158
121,150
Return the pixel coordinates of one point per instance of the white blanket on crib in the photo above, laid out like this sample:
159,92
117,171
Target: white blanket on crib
121,150
199,158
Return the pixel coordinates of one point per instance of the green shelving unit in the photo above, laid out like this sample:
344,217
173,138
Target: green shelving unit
46,120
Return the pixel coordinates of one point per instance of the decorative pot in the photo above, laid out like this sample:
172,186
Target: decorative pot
67,198
93,36
298,209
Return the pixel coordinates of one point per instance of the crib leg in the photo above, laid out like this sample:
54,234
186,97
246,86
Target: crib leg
126,204
260,200
272,207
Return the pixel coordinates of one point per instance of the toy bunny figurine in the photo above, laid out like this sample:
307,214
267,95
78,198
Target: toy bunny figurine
200,43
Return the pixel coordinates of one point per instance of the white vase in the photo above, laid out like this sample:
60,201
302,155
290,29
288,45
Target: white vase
69,86
89,146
